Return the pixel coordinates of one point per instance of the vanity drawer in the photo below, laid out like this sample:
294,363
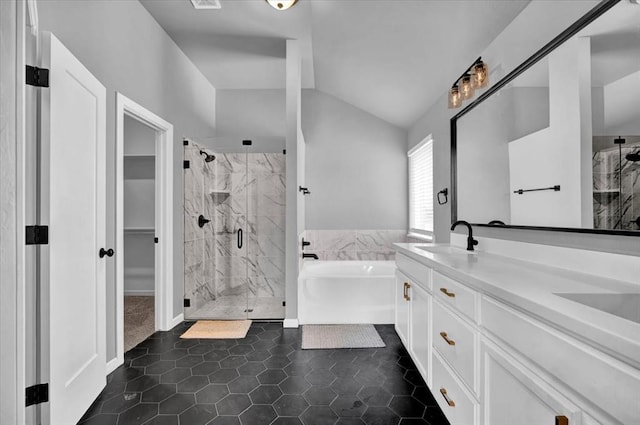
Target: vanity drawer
608,383
458,405
458,343
456,295
418,272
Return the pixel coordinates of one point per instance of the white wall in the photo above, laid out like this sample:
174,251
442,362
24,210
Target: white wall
293,131
535,26
622,106
356,167
126,49
552,156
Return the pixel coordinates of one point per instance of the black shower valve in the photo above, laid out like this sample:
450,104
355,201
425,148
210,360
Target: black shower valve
202,221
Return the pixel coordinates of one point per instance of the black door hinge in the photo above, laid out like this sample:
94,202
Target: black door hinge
187,302
284,151
37,394
36,235
186,164
155,240
284,303
185,142
38,77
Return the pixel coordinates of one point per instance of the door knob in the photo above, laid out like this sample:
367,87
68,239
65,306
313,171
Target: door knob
108,252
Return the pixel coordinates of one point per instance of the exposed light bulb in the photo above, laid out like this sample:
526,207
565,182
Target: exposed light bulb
466,88
455,98
480,75
282,4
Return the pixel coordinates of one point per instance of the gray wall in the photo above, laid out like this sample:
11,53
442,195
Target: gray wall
126,49
534,27
356,167
257,115
483,150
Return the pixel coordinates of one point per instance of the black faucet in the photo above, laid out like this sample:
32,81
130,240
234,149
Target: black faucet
470,241
314,256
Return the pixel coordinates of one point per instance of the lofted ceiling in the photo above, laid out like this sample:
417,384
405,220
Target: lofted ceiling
391,58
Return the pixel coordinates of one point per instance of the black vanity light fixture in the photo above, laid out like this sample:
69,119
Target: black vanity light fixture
281,4
475,77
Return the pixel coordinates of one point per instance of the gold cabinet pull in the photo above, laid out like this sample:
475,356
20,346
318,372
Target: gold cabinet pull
446,338
450,402
562,420
407,285
447,293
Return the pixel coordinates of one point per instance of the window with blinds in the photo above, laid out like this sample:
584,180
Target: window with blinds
421,188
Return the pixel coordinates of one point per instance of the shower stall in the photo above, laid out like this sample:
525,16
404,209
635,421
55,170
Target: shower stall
616,185
234,231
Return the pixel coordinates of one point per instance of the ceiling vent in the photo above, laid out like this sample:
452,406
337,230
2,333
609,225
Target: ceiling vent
206,4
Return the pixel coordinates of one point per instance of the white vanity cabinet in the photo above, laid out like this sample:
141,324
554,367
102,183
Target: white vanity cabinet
413,312
489,362
512,394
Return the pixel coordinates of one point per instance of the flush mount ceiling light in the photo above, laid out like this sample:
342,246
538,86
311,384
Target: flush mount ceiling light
281,4
475,77
206,4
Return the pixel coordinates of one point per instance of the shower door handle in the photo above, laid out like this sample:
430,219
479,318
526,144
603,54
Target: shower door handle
239,238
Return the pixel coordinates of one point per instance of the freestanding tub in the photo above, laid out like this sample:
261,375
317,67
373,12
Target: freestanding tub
340,292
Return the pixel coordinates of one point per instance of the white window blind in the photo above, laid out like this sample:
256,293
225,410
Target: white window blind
421,188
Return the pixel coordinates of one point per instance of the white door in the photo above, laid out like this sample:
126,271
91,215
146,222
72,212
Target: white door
420,329
514,395
73,187
402,307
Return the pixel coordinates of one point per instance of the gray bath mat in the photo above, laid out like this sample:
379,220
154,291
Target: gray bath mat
340,336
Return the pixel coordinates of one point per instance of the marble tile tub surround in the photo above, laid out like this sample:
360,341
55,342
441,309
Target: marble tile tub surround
233,191
345,245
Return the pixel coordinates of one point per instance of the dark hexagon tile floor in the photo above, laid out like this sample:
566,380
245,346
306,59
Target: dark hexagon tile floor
263,379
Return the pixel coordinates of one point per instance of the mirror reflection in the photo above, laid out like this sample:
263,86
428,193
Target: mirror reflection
559,146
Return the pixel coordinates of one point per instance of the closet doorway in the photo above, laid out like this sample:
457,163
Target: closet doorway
144,226
139,190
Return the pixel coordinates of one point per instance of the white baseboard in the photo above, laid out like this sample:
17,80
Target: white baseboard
290,323
113,364
176,320
140,293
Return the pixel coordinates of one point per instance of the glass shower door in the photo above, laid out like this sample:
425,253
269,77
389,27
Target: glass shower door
215,212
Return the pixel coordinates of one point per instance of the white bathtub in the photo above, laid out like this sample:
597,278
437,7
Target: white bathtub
337,292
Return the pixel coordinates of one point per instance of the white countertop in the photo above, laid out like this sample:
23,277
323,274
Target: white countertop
532,287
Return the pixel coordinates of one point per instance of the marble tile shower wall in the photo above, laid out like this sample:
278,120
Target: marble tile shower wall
235,191
614,208
344,245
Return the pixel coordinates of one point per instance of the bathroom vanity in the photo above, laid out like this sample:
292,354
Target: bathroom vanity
503,341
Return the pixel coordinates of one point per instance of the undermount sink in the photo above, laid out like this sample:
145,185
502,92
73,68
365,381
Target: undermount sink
626,306
446,249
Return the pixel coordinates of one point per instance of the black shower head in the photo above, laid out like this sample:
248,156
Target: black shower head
207,157
633,157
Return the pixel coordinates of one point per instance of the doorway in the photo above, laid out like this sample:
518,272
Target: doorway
144,226
139,193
